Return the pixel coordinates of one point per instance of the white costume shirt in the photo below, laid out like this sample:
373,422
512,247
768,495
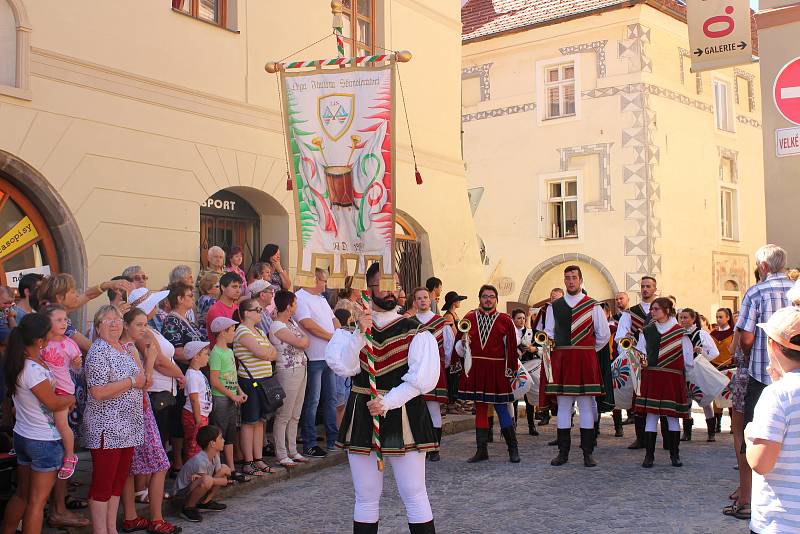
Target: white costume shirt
686,345
624,325
448,337
602,334
342,356
710,350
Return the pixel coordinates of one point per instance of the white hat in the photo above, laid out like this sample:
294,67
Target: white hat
221,323
193,348
257,286
146,300
794,293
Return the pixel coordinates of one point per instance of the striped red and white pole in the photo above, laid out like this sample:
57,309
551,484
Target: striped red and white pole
402,57
373,389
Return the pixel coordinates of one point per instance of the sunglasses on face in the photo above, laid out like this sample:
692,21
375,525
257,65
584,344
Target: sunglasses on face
257,310
112,322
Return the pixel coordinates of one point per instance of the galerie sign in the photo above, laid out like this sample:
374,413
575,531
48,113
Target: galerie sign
719,33
340,140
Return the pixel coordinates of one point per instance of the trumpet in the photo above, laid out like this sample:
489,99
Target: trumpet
464,325
541,338
627,343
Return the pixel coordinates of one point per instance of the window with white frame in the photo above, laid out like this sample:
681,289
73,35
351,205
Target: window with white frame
729,218
559,90
561,208
723,106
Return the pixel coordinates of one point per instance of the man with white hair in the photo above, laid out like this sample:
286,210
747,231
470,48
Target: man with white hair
216,265
758,305
136,275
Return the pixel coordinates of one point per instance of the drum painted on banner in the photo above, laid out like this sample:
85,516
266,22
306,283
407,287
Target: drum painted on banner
521,383
533,367
724,399
705,382
623,382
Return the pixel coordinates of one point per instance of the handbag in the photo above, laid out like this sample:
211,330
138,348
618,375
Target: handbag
269,388
161,399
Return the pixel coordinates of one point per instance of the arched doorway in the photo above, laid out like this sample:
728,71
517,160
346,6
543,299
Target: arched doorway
548,274
53,239
25,240
245,217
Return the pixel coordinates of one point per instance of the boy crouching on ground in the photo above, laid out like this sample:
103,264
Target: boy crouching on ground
202,476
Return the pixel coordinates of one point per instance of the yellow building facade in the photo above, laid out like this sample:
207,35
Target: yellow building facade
143,133
588,141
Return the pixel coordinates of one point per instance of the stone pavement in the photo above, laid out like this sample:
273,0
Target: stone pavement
496,496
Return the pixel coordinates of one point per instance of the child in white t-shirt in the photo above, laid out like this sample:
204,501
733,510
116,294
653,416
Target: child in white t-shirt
198,395
772,444
59,354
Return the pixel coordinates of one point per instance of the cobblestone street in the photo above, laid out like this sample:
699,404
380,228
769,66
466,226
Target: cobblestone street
496,496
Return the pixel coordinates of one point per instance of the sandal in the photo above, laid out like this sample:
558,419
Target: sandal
68,467
160,526
238,476
739,511
74,503
263,467
251,470
299,458
134,525
734,496
288,462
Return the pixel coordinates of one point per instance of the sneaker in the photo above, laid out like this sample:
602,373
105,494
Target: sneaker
315,452
211,506
191,514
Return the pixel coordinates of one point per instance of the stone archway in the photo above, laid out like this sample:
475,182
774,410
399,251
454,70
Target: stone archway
61,223
540,270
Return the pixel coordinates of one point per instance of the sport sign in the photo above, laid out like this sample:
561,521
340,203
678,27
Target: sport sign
787,91
719,33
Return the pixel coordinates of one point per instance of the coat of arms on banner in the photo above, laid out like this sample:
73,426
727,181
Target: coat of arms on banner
340,140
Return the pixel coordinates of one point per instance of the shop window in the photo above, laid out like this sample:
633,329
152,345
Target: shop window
359,27
25,241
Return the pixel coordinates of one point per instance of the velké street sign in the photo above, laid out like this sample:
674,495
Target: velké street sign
786,91
719,33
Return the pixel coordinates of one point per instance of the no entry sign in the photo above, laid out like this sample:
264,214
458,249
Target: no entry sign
787,91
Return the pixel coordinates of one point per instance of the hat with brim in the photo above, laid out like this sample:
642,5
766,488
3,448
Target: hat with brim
193,348
782,326
256,287
146,300
451,298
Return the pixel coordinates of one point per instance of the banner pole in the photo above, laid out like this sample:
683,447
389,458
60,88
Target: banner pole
373,389
338,22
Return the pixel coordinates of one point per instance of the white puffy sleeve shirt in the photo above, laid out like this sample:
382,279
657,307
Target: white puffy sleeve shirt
686,345
602,333
342,356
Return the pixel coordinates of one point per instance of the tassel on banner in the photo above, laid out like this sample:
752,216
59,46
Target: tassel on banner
418,176
288,181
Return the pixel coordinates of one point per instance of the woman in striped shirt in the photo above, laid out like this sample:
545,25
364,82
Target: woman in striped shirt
254,353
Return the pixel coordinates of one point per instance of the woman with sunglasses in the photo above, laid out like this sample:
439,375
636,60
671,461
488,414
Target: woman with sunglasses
254,353
663,388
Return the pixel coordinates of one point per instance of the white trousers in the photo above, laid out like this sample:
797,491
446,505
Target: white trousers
409,473
436,413
586,411
651,424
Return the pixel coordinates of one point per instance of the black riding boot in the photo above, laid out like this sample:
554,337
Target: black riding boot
422,528
687,429
531,423
596,433
433,456
588,439
617,416
365,528
511,442
664,431
544,418
650,448
711,428
718,428
482,452
638,424
674,449
490,439
563,439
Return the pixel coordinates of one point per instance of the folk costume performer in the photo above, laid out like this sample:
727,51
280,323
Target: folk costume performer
492,340
407,366
445,338
578,326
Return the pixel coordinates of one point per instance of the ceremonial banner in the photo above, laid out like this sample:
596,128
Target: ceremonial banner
719,33
340,136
